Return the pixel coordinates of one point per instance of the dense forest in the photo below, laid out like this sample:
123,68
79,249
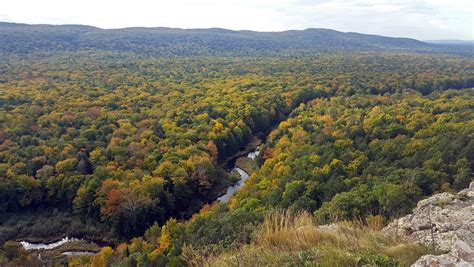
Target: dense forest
368,157
24,39
350,157
129,149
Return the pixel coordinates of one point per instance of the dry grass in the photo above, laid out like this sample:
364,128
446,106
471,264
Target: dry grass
289,239
285,231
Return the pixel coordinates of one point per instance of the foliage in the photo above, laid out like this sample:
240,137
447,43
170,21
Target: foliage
212,230
130,141
350,157
13,254
23,39
107,145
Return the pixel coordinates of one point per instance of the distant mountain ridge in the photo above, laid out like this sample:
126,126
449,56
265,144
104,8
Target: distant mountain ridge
160,41
456,42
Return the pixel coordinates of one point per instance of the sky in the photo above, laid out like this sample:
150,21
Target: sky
420,19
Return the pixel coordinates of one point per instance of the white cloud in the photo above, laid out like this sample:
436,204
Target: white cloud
422,19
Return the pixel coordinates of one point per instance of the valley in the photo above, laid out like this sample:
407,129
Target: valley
211,147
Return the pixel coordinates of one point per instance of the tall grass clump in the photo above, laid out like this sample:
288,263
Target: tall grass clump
287,238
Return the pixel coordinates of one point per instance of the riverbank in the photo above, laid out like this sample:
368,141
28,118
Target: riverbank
247,164
231,190
50,225
244,166
44,233
229,161
60,250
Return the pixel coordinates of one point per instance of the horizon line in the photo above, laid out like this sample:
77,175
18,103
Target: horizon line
231,30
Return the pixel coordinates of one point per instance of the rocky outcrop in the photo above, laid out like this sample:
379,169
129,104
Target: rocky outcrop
444,221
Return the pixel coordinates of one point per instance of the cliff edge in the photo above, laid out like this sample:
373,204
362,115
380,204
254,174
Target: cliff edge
444,221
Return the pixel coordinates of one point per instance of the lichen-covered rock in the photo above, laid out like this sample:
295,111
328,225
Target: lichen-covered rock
444,221
441,260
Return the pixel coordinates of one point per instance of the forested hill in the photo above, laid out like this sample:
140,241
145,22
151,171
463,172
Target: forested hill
27,39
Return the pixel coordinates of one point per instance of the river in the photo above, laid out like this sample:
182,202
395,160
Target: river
66,240
231,190
37,246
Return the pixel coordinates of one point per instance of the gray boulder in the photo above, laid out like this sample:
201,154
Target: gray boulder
444,221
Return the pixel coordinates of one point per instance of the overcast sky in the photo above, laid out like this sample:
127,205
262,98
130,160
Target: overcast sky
421,19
